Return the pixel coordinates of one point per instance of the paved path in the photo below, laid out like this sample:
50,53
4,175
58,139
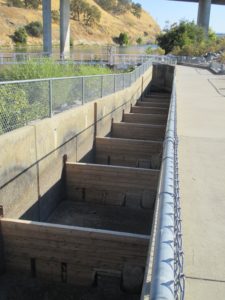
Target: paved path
201,131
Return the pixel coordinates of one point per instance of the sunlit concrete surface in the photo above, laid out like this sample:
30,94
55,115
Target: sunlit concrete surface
201,131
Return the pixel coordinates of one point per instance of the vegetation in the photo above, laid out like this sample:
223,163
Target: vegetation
20,36
121,6
34,4
136,10
81,9
55,16
34,29
139,41
155,51
47,68
186,38
122,39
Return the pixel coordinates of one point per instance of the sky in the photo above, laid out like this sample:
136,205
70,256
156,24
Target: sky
173,11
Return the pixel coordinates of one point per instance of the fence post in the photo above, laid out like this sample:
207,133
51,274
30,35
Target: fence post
50,98
83,91
102,86
114,83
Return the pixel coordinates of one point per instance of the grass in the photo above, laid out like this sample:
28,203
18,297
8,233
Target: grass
47,68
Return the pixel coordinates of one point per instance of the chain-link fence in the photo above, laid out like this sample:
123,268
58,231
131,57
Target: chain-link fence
215,66
165,268
27,100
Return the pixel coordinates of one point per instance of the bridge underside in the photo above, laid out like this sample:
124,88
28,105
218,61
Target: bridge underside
204,9
220,2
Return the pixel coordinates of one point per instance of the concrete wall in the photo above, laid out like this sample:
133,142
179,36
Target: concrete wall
69,254
162,78
32,158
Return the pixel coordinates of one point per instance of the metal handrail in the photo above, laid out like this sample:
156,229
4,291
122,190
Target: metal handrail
166,268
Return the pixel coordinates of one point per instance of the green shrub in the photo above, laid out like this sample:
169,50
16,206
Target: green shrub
122,39
34,29
139,41
55,16
155,51
15,3
20,36
32,4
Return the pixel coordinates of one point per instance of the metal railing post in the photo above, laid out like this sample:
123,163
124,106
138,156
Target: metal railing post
102,86
50,98
83,91
114,83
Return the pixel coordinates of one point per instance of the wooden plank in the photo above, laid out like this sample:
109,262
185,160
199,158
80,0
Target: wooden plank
51,245
156,100
138,131
153,119
128,152
100,183
148,110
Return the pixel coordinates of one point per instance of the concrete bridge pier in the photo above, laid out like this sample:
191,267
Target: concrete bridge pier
47,25
204,9
64,29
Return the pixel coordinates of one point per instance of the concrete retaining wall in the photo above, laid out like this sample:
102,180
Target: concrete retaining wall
32,158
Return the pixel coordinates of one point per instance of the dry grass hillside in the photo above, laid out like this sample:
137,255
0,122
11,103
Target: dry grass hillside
110,26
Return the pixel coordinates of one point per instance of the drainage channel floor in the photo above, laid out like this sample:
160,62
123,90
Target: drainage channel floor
21,288
108,217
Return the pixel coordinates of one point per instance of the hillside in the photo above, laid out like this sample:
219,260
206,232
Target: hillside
110,26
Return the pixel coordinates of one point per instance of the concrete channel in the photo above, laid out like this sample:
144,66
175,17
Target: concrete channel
96,238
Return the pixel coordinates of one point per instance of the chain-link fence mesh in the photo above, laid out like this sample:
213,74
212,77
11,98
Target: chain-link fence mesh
24,101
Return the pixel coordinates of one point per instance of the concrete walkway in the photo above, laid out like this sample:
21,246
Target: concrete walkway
201,131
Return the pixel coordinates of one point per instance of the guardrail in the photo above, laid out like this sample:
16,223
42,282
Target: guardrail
164,275
131,59
216,67
20,57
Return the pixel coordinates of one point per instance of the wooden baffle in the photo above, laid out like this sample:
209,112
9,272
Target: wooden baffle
128,152
138,131
149,110
111,185
151,119
152,104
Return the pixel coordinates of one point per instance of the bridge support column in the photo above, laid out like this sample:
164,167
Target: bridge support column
47,26
64,29
204,14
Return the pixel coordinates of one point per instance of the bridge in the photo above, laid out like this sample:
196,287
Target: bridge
204,9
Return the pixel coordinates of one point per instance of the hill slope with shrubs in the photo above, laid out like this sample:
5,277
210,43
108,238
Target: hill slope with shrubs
108,25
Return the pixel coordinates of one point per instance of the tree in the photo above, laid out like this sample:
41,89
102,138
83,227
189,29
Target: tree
93,15
179,35
123,39
20,36
136,10
31,4
77,7
108,5
34,29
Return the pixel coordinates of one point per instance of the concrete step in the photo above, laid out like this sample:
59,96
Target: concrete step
149,110
138,131
151,119
128,152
